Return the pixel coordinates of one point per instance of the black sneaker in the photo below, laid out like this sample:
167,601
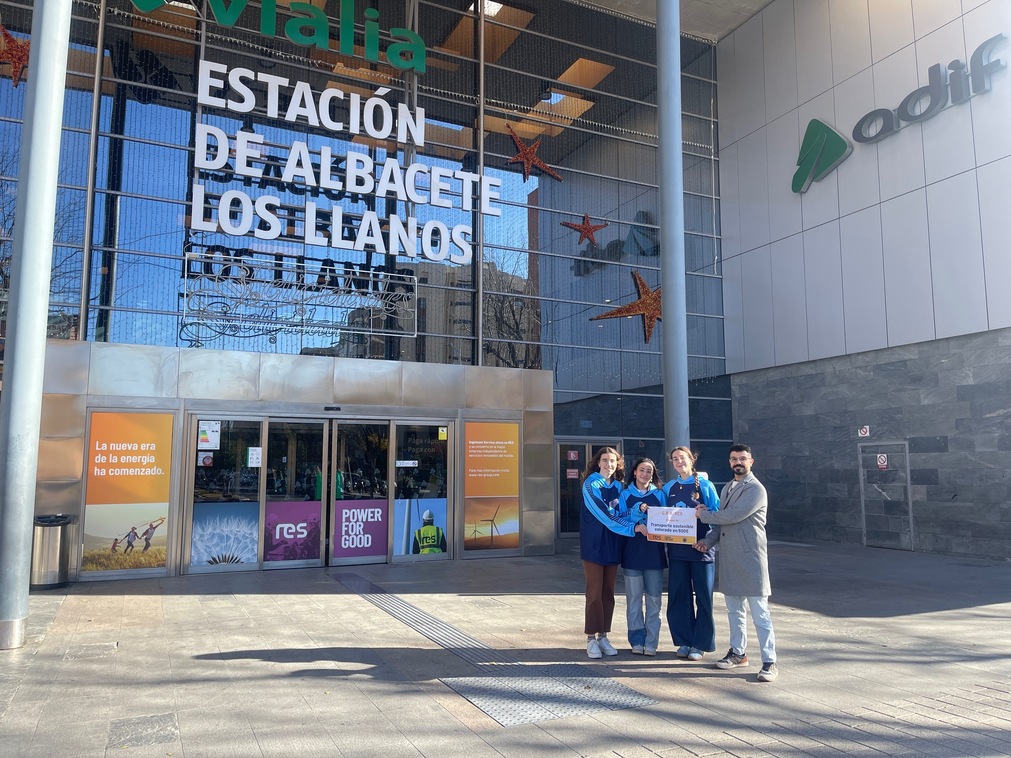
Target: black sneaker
768,673
732,660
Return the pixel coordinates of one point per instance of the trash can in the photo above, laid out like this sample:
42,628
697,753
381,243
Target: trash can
50,557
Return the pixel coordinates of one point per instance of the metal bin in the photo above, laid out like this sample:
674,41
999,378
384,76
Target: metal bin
50,556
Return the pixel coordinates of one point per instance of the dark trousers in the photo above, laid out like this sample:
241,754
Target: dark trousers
690,604
599,597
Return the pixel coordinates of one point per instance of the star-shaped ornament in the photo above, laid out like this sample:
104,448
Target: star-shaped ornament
527,155
15,52
586,229
648,306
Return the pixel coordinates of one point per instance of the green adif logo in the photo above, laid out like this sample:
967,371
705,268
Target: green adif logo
821,151
309,26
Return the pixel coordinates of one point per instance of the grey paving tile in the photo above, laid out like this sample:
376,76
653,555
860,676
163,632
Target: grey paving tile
221,743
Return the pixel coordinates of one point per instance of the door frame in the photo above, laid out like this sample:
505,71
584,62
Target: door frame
861,453
588,451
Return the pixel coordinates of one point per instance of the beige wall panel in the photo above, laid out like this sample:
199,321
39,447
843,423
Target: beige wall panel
538,390
61,459
494,388
538,426
63,416
66,370
218,374
539,460
59,497
296,378
133,370
433,385
538,494
538,533
365,382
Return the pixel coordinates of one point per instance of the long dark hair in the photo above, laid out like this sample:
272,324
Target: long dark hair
594,465
656,481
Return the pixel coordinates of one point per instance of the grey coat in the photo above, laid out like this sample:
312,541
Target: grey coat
744,560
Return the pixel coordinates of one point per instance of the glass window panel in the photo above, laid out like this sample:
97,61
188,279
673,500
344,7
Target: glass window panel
699,212
698,96
699,175
710,419
704,294
705,336
702,368
698,58
155,171
585,415
702,255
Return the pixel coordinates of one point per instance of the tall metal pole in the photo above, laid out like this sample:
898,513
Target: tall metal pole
28,310
672,225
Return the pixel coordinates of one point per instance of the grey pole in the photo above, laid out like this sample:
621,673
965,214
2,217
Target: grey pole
28,310
672,225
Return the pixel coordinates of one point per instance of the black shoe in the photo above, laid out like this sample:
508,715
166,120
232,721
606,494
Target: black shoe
732,660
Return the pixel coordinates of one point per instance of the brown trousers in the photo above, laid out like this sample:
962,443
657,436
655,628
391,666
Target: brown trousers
599,597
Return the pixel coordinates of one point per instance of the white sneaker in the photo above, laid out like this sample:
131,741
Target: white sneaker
637,650
593,649
605,646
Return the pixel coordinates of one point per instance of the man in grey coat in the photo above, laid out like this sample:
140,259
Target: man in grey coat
743,562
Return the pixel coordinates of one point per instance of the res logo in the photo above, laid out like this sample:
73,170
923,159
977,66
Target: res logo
823,148
291,531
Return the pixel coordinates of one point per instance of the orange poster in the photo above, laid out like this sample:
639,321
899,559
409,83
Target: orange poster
491,485
129,467
129,458
492,459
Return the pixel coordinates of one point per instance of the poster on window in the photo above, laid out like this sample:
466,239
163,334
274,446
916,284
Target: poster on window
291,530
360,529
491,485
129,465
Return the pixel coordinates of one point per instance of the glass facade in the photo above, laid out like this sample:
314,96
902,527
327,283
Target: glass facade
165,234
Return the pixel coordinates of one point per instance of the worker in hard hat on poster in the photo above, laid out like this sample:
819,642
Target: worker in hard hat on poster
429,538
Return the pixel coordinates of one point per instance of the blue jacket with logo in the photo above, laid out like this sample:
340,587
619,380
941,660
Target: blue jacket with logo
682,492
639,553
601,528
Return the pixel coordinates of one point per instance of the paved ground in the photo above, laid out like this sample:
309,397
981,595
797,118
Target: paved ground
881,653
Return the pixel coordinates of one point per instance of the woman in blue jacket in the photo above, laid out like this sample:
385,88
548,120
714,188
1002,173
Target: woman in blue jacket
600,536
691,577
642,562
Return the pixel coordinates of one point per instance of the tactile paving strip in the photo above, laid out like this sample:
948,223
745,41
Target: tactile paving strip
509,691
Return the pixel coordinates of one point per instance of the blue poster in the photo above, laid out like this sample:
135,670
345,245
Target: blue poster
224,532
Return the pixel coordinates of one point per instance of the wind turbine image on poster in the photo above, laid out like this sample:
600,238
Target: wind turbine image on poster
492,526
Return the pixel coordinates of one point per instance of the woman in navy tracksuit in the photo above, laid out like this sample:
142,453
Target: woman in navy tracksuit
642,562
601,532
690,576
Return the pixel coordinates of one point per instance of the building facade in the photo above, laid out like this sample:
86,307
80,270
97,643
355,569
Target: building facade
337,281
864,152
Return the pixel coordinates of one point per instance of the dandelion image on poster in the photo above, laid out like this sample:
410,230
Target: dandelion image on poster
224,533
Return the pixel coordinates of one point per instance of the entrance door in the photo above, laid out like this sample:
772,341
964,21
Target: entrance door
572,459
421,514
274,493
293,512
885,498
227,485
360,514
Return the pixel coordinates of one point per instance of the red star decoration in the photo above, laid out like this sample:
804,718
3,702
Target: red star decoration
586,229
648,306
15,52
527,155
